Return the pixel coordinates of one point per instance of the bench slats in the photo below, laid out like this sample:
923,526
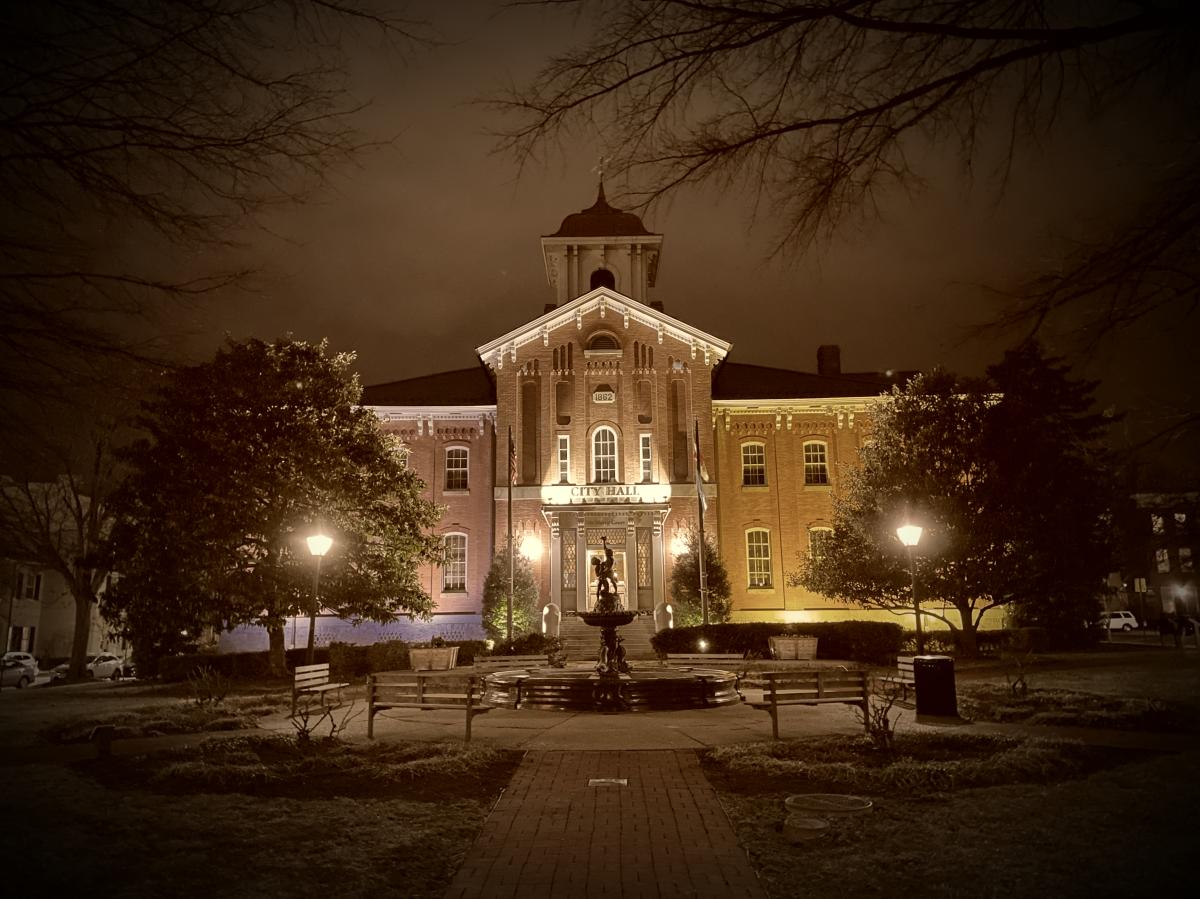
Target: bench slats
811,688
313,679
422,690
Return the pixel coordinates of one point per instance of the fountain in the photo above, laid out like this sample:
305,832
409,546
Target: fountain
612,685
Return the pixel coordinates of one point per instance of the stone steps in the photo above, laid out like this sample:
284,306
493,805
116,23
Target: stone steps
583,642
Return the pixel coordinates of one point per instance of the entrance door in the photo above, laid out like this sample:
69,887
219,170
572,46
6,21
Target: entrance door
597,552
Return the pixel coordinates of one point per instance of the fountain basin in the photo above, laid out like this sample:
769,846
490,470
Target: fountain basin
584,690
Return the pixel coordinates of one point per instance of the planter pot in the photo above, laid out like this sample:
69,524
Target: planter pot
802,648
436,658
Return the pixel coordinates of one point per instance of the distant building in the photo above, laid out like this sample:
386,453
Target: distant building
37,613
601,393
1161,540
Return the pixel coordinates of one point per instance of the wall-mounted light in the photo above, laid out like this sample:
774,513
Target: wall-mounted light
531,547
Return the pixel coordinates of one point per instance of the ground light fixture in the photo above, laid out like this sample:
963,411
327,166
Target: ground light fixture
318,545
910,536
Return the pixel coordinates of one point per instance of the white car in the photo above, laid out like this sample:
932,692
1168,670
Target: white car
1119,621
18,669
104,665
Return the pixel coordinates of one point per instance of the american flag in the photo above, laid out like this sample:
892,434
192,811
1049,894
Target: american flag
512,458
699,473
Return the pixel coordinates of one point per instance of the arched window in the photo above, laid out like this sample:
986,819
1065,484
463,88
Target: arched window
602,277
754,464
604,456
530,432
564,401
454,570
758,557
602,340
680,469
816,466
818,542
456,468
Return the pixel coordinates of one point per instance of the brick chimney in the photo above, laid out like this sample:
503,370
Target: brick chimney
829,359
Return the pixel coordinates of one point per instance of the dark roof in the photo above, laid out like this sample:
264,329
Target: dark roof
464,387
600,220
738,381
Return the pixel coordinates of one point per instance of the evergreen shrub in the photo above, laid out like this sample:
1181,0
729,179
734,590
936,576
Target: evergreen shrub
873,642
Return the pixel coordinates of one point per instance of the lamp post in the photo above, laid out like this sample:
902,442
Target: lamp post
318,545
910,536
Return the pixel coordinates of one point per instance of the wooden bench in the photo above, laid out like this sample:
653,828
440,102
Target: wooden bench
313,679
501,663
424,690
706,659
815,687
905,677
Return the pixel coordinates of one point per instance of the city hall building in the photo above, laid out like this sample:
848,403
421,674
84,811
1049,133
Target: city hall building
601,393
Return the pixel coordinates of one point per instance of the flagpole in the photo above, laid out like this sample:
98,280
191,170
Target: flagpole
512,461
700,543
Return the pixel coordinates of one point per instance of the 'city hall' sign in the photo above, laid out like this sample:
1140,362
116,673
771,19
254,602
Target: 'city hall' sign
590,494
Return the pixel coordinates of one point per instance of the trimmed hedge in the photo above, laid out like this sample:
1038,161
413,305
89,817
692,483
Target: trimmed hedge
241,665
874,642
528,645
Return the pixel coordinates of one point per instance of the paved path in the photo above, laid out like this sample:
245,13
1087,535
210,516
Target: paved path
663,835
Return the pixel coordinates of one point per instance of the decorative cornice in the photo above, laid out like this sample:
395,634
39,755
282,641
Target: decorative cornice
602,299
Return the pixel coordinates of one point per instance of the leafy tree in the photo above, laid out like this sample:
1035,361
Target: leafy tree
685,584
526,616
246,456
1010,487
151,123
817,107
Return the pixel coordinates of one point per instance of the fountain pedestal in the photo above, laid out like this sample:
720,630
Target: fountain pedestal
611,664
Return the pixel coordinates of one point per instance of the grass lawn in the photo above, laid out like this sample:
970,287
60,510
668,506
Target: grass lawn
253,816
957,816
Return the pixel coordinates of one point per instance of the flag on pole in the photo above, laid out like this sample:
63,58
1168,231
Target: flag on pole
512,459
701,508
699,473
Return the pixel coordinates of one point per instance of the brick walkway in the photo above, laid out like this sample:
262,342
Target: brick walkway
551,835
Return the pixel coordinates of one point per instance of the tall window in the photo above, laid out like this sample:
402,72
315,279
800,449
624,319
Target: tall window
564,401
816,469
454,571
818,543
1162,561
680,448
29,585
1185,559
647,459
456,468
645,402
758,557
564,459
604,456
530,421
1157,523
754,464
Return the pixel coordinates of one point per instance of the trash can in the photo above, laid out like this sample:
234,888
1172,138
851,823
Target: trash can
934,683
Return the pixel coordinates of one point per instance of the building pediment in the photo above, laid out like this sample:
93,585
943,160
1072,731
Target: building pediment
608,304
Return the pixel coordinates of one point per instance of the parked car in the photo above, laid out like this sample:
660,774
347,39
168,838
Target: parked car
104,665
1119,621
16,671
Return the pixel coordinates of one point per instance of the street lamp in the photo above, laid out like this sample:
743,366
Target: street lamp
318,545
910,536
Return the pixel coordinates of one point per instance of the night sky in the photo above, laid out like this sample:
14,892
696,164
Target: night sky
429,247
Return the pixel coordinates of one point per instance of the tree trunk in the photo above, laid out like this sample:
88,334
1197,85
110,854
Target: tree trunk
275,654
83,630
968,645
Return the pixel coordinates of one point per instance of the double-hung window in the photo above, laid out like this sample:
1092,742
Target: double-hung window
647,459
604,456
454,569
816,467
754,464
564,459
456,468
758,557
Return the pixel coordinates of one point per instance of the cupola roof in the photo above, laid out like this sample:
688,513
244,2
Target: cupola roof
601,220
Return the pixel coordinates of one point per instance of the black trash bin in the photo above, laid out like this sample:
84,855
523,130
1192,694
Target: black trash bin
934,682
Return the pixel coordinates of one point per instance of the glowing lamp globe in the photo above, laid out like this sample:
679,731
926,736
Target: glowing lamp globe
318,544
909,534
